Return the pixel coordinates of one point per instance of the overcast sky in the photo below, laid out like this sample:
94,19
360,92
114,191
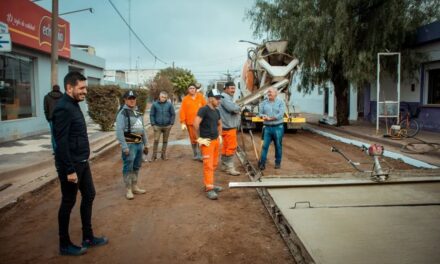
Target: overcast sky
199,35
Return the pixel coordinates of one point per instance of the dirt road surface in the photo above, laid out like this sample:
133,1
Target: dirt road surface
305,153
173,222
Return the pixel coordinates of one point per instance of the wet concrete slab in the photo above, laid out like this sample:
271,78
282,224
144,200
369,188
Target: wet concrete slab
365,224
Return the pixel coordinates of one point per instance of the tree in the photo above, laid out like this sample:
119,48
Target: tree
339,40
159,84
180,78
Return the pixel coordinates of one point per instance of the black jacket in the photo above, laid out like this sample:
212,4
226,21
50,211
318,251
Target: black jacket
50,100
70,133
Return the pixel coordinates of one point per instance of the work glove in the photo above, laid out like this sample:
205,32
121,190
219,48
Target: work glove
204,141
146,150
220,140
183,127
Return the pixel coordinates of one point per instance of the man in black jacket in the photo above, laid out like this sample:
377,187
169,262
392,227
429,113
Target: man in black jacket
50,101
71,160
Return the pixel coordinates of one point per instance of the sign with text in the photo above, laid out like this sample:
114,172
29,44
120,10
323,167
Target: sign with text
5,42
31,25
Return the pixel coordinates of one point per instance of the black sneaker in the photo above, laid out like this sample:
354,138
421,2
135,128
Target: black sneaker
72,250
262,167
95,242
277,166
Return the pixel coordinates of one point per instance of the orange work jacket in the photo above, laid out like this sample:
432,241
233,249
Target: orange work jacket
189,108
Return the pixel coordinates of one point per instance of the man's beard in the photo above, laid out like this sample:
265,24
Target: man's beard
78,97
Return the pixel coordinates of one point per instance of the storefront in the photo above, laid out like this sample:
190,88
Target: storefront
25,71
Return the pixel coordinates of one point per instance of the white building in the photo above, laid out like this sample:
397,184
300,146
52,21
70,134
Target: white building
137,78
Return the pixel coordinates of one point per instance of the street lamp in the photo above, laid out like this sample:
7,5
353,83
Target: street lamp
54,40
76,11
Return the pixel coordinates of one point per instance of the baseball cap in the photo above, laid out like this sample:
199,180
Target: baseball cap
130,93
214,93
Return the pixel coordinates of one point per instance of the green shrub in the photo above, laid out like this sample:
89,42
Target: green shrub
103,104
141,100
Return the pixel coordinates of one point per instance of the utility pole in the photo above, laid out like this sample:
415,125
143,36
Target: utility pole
129,35
54,47
137,72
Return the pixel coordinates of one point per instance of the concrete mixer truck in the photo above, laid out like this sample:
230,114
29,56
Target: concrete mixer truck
268,65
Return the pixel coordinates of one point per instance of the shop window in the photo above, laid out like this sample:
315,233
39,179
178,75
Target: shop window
434,87
16,87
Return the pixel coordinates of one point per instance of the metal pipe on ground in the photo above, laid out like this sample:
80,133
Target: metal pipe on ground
290,183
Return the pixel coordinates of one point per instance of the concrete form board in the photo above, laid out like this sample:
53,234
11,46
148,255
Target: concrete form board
400,234
286,182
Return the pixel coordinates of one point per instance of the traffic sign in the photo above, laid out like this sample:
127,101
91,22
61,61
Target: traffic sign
5,42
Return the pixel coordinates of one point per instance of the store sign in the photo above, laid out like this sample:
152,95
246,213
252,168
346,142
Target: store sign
4,28
31,25
5,42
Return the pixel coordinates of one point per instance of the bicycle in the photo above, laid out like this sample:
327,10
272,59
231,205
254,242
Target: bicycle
408,126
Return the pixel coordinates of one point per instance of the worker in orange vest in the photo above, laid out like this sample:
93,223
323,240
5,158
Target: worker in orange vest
191,103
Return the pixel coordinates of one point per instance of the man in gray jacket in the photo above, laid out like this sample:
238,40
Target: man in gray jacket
230,115
131,135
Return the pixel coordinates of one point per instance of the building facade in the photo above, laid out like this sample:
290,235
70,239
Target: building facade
419,95
25,70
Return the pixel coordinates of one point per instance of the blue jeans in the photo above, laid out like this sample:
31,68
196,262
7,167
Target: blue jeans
132,162
54,145
275,134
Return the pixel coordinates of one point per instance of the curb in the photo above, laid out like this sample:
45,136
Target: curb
359,135
49,160
413,161
50,176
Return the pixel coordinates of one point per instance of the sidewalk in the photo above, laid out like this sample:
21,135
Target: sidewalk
27,164
365,131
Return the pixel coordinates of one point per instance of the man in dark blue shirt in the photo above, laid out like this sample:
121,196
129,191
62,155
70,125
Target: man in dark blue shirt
71,160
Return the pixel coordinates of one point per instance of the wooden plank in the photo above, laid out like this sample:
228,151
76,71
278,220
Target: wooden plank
328,182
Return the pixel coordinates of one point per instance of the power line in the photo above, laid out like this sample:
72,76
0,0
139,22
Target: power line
134,33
